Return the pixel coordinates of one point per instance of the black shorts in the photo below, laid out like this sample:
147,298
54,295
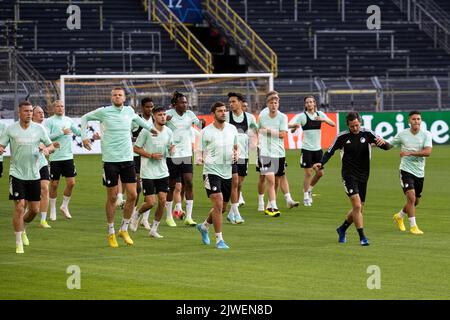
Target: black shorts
241,167
112,171
137,164
179,166
1,169
353,185
65,168
29,190
45,174
409,181
155,186
309,158
215,184
273,165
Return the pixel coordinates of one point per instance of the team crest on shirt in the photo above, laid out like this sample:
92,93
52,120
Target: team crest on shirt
362,139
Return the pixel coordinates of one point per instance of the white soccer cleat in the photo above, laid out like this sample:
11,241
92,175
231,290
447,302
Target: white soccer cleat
292,204
65,212
307,202
145,224
52,216
155,234
134,223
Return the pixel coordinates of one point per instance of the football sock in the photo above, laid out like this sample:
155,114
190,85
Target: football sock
65,203
218,237
169,209
111,228
412,221
345,225
189,205
361,233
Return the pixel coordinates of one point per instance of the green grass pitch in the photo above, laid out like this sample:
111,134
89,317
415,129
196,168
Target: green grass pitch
295,256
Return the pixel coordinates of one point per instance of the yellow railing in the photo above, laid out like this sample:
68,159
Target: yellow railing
181,34
242,34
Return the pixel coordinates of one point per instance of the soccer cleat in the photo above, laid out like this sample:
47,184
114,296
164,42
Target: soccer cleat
342,237
170,222
261,207
399,222
112,241
65,212
146,224
241,204
415,230
238,219
292,204
52,216
190,222
134,222
25,240
126,237
222,245
44,224
19,248
272,212
178,214
230,218
204,233
155,234
307,202
364,242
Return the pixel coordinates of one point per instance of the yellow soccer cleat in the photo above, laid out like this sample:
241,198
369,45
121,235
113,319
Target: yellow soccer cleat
19,248
126,237
25,240
45,225
112,241
399,222
190,222
170,222
415,230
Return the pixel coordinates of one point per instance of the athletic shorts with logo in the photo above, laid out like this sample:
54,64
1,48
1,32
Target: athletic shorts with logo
215,184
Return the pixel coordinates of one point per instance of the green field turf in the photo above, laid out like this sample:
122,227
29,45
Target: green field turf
295,256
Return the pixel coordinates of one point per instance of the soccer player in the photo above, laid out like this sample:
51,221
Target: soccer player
311,121
416,144
280,181
61,129
39,117
154,172
180,121
117,157
218,149
355,144
273,128
146,108
243,122
25,138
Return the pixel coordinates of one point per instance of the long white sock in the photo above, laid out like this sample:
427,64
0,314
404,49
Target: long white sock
43,216
288,197
145,215
189,205
125,223
205,225
273,204
52,205
111,228
178,206
241,198
65,203
235,208
261,198
412,222
18,237
305,195
310,189
120,197
269,204
155,226
169,209
401,214
218,237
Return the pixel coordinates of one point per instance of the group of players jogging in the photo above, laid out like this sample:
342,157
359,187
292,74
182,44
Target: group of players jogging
152,152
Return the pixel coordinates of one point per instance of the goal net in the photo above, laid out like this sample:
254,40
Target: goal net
84,93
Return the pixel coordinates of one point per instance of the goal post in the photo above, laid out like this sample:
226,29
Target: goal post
83,93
